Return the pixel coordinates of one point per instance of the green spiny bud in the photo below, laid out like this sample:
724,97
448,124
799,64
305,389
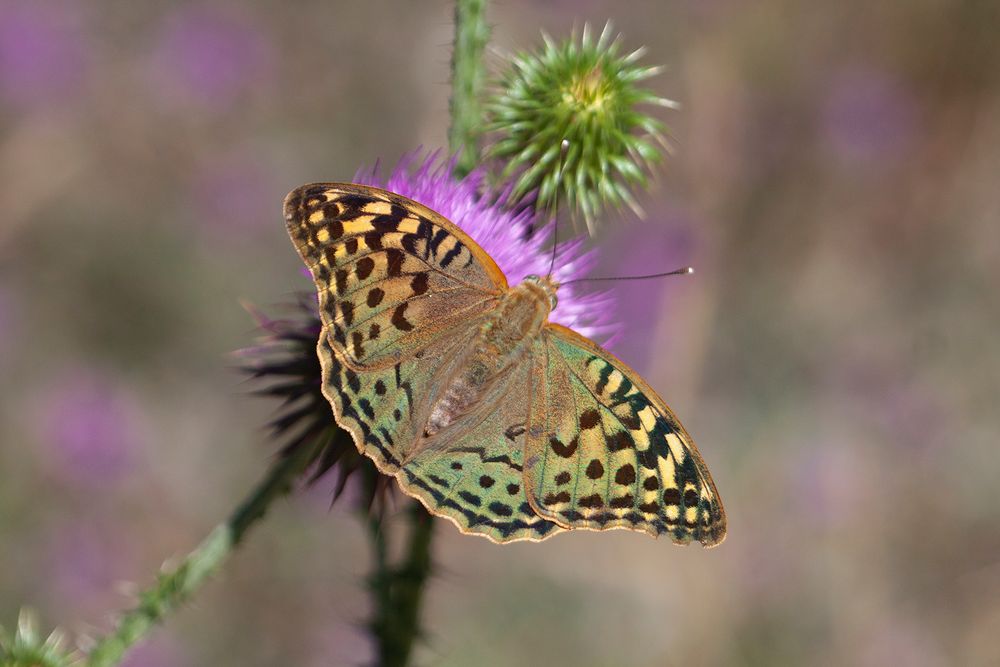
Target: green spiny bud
566,124
26,648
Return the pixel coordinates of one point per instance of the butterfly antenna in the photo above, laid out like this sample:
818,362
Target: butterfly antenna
563,150
687,270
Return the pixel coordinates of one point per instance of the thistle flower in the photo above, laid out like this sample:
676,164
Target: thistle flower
586,93
25,648
285,357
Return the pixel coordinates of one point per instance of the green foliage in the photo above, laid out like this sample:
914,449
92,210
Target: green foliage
586,93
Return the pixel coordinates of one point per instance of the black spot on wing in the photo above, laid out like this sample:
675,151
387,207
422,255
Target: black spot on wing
439,235
394,262
563,450
450,256
470,498
364,267
625,475
500,509
603,376
419,284
375,296
354,203
399,318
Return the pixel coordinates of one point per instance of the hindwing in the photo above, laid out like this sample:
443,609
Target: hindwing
604,450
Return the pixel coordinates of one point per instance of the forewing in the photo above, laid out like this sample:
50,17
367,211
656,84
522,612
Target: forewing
604,451
392,276
471,472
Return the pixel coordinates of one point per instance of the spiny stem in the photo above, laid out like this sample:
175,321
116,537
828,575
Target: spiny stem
176,586
467,79
398,591
411,577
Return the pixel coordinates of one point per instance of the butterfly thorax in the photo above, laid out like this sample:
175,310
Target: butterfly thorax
504,337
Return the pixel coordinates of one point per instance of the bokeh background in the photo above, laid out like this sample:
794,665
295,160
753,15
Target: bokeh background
837,354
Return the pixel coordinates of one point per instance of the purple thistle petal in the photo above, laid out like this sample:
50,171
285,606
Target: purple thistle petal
501,233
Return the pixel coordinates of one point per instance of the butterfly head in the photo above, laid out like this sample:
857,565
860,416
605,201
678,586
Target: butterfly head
548,285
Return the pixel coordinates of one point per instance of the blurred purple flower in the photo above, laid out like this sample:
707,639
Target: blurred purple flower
501,233
210,57
91,428
868,117
43,53
235,193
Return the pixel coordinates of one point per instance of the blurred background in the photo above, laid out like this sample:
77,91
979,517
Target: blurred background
836,355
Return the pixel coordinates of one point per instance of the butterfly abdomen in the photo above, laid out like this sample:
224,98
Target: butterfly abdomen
503,339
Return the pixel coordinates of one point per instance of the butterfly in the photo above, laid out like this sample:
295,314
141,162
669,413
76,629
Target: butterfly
457,385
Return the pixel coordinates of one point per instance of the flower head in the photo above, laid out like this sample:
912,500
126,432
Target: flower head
285,362
583,92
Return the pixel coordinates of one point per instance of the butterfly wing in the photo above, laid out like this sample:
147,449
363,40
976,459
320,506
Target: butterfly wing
472,471
400,288
607,452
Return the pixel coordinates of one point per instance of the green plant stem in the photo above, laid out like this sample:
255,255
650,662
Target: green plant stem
467,79
174,587
398,591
